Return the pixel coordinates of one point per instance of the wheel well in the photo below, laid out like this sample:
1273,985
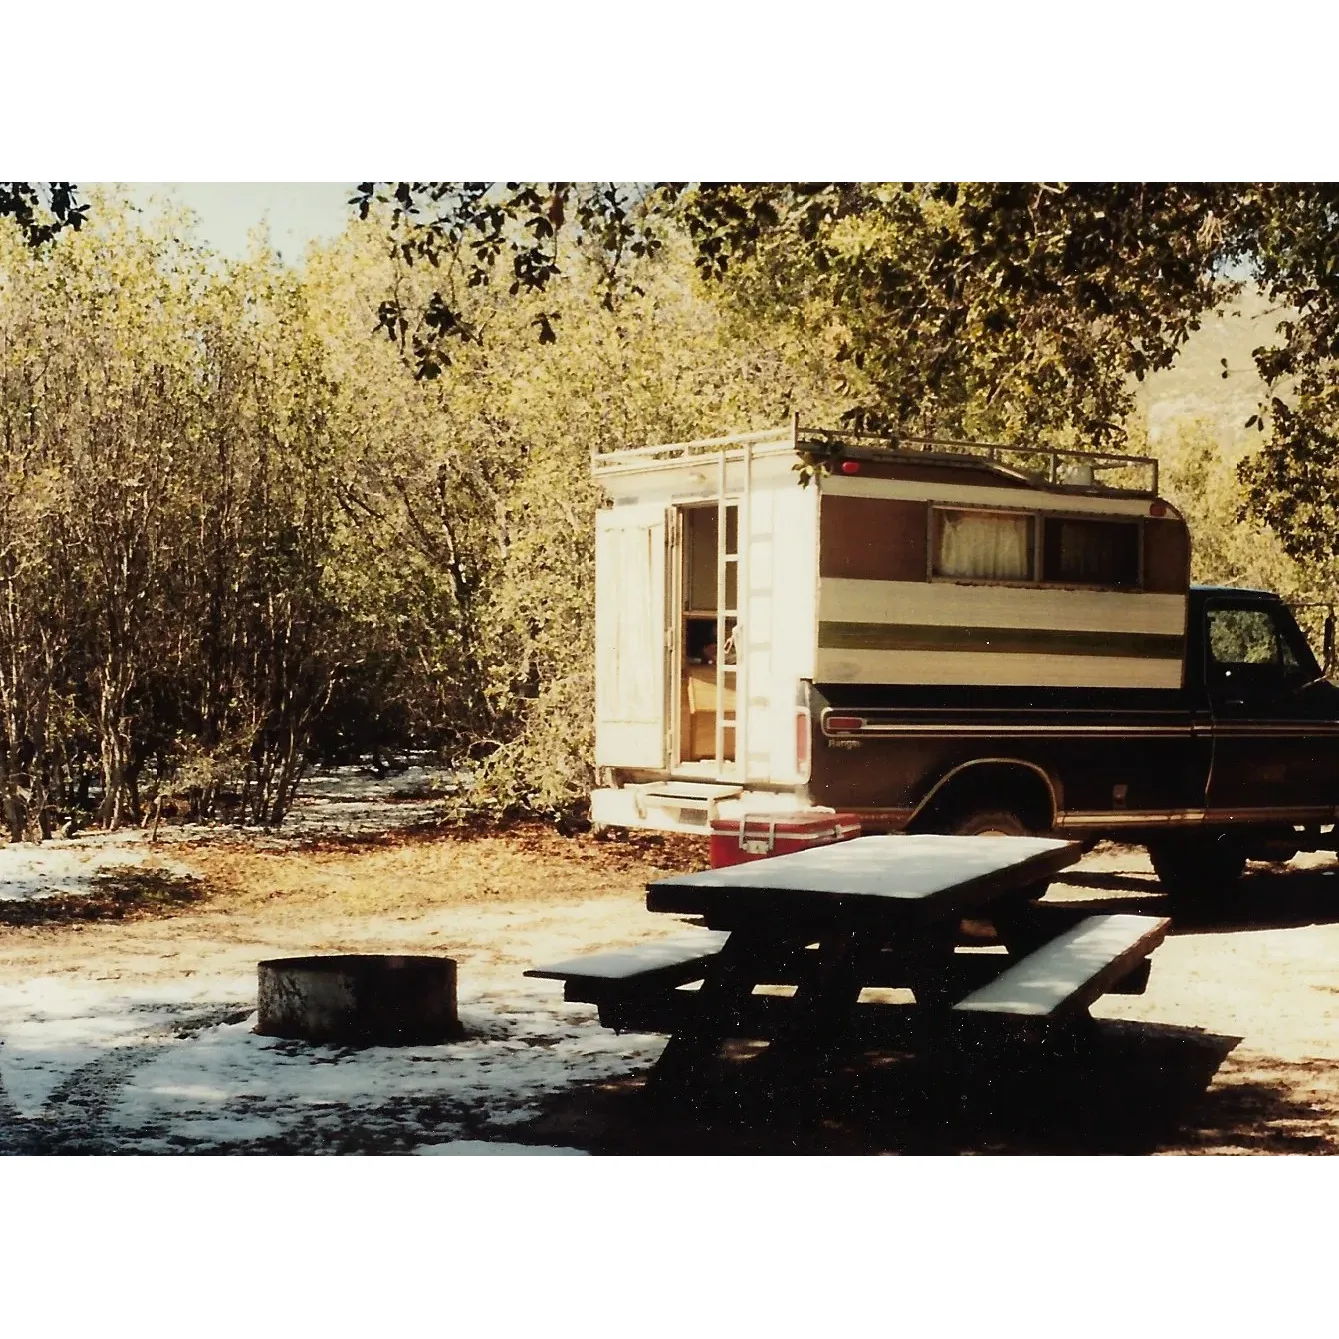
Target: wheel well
1018,787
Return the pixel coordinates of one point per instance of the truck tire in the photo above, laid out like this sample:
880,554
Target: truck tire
989,823
999,823
1194,866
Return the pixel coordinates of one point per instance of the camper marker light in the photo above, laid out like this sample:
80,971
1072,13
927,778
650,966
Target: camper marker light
844,724
1157,509
850,467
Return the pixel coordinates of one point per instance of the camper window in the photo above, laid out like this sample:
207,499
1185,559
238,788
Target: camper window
1024,547
701,557
1087,552
983,545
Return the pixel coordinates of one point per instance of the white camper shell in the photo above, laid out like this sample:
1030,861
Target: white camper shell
724,588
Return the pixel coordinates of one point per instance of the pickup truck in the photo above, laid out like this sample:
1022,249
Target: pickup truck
944,636
1240,762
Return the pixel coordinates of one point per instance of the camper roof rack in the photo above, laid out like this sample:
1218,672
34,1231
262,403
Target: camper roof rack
1058,467
673,452
1061,467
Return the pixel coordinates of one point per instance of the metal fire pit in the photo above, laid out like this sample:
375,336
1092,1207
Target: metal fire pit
366,999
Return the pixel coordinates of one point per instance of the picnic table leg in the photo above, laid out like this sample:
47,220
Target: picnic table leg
823,1003
823,1006
729,981
928,974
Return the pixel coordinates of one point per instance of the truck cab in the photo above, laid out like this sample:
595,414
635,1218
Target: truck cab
1238,760
1258,694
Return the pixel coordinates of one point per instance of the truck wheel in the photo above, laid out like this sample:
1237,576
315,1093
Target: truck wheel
1000,823
1192,866
989,823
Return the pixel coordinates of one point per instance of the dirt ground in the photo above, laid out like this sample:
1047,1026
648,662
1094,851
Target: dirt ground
1231,1049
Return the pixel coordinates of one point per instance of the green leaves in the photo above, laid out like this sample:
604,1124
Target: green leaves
42,211
481,233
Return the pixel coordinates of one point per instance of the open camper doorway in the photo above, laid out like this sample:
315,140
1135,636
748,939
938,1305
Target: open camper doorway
703,638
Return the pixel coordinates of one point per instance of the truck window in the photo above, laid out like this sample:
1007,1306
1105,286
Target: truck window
1248,637
1088,552
982,545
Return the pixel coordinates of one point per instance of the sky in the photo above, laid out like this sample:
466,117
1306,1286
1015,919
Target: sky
296,212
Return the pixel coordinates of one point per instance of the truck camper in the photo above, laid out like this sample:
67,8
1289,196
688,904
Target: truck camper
939,635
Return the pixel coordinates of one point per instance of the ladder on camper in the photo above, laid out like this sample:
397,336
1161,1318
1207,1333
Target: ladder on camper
730,657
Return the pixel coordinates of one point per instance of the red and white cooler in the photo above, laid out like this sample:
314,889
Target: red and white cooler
757,836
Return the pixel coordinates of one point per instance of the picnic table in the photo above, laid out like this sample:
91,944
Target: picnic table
793,945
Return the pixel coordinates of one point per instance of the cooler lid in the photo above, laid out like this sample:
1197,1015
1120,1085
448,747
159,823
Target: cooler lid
793,822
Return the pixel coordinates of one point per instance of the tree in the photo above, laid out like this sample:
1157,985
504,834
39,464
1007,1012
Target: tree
1001,309
236,534
951,306
169,601
1292,482
1202,481
41,211
471,500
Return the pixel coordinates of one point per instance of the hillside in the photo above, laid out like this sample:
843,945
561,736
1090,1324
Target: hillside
1195,387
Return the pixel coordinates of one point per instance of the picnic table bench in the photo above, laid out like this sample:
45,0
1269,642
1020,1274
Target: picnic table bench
618,974
793,943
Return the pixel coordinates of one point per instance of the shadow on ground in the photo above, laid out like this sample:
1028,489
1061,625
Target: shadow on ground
1263,1107
116,895
1128,1088
1265,899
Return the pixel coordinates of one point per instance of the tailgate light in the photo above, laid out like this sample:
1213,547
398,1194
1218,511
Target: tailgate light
802,728
843,725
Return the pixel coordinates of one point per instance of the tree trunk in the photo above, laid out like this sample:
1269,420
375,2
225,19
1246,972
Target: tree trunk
116,745
15,813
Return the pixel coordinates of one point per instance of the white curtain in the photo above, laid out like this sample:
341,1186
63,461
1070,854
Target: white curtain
986,545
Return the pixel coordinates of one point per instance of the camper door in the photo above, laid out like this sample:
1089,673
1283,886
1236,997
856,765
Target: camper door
630,612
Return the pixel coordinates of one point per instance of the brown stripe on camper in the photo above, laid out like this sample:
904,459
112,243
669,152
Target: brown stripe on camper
873,538
1017,641
1166,555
